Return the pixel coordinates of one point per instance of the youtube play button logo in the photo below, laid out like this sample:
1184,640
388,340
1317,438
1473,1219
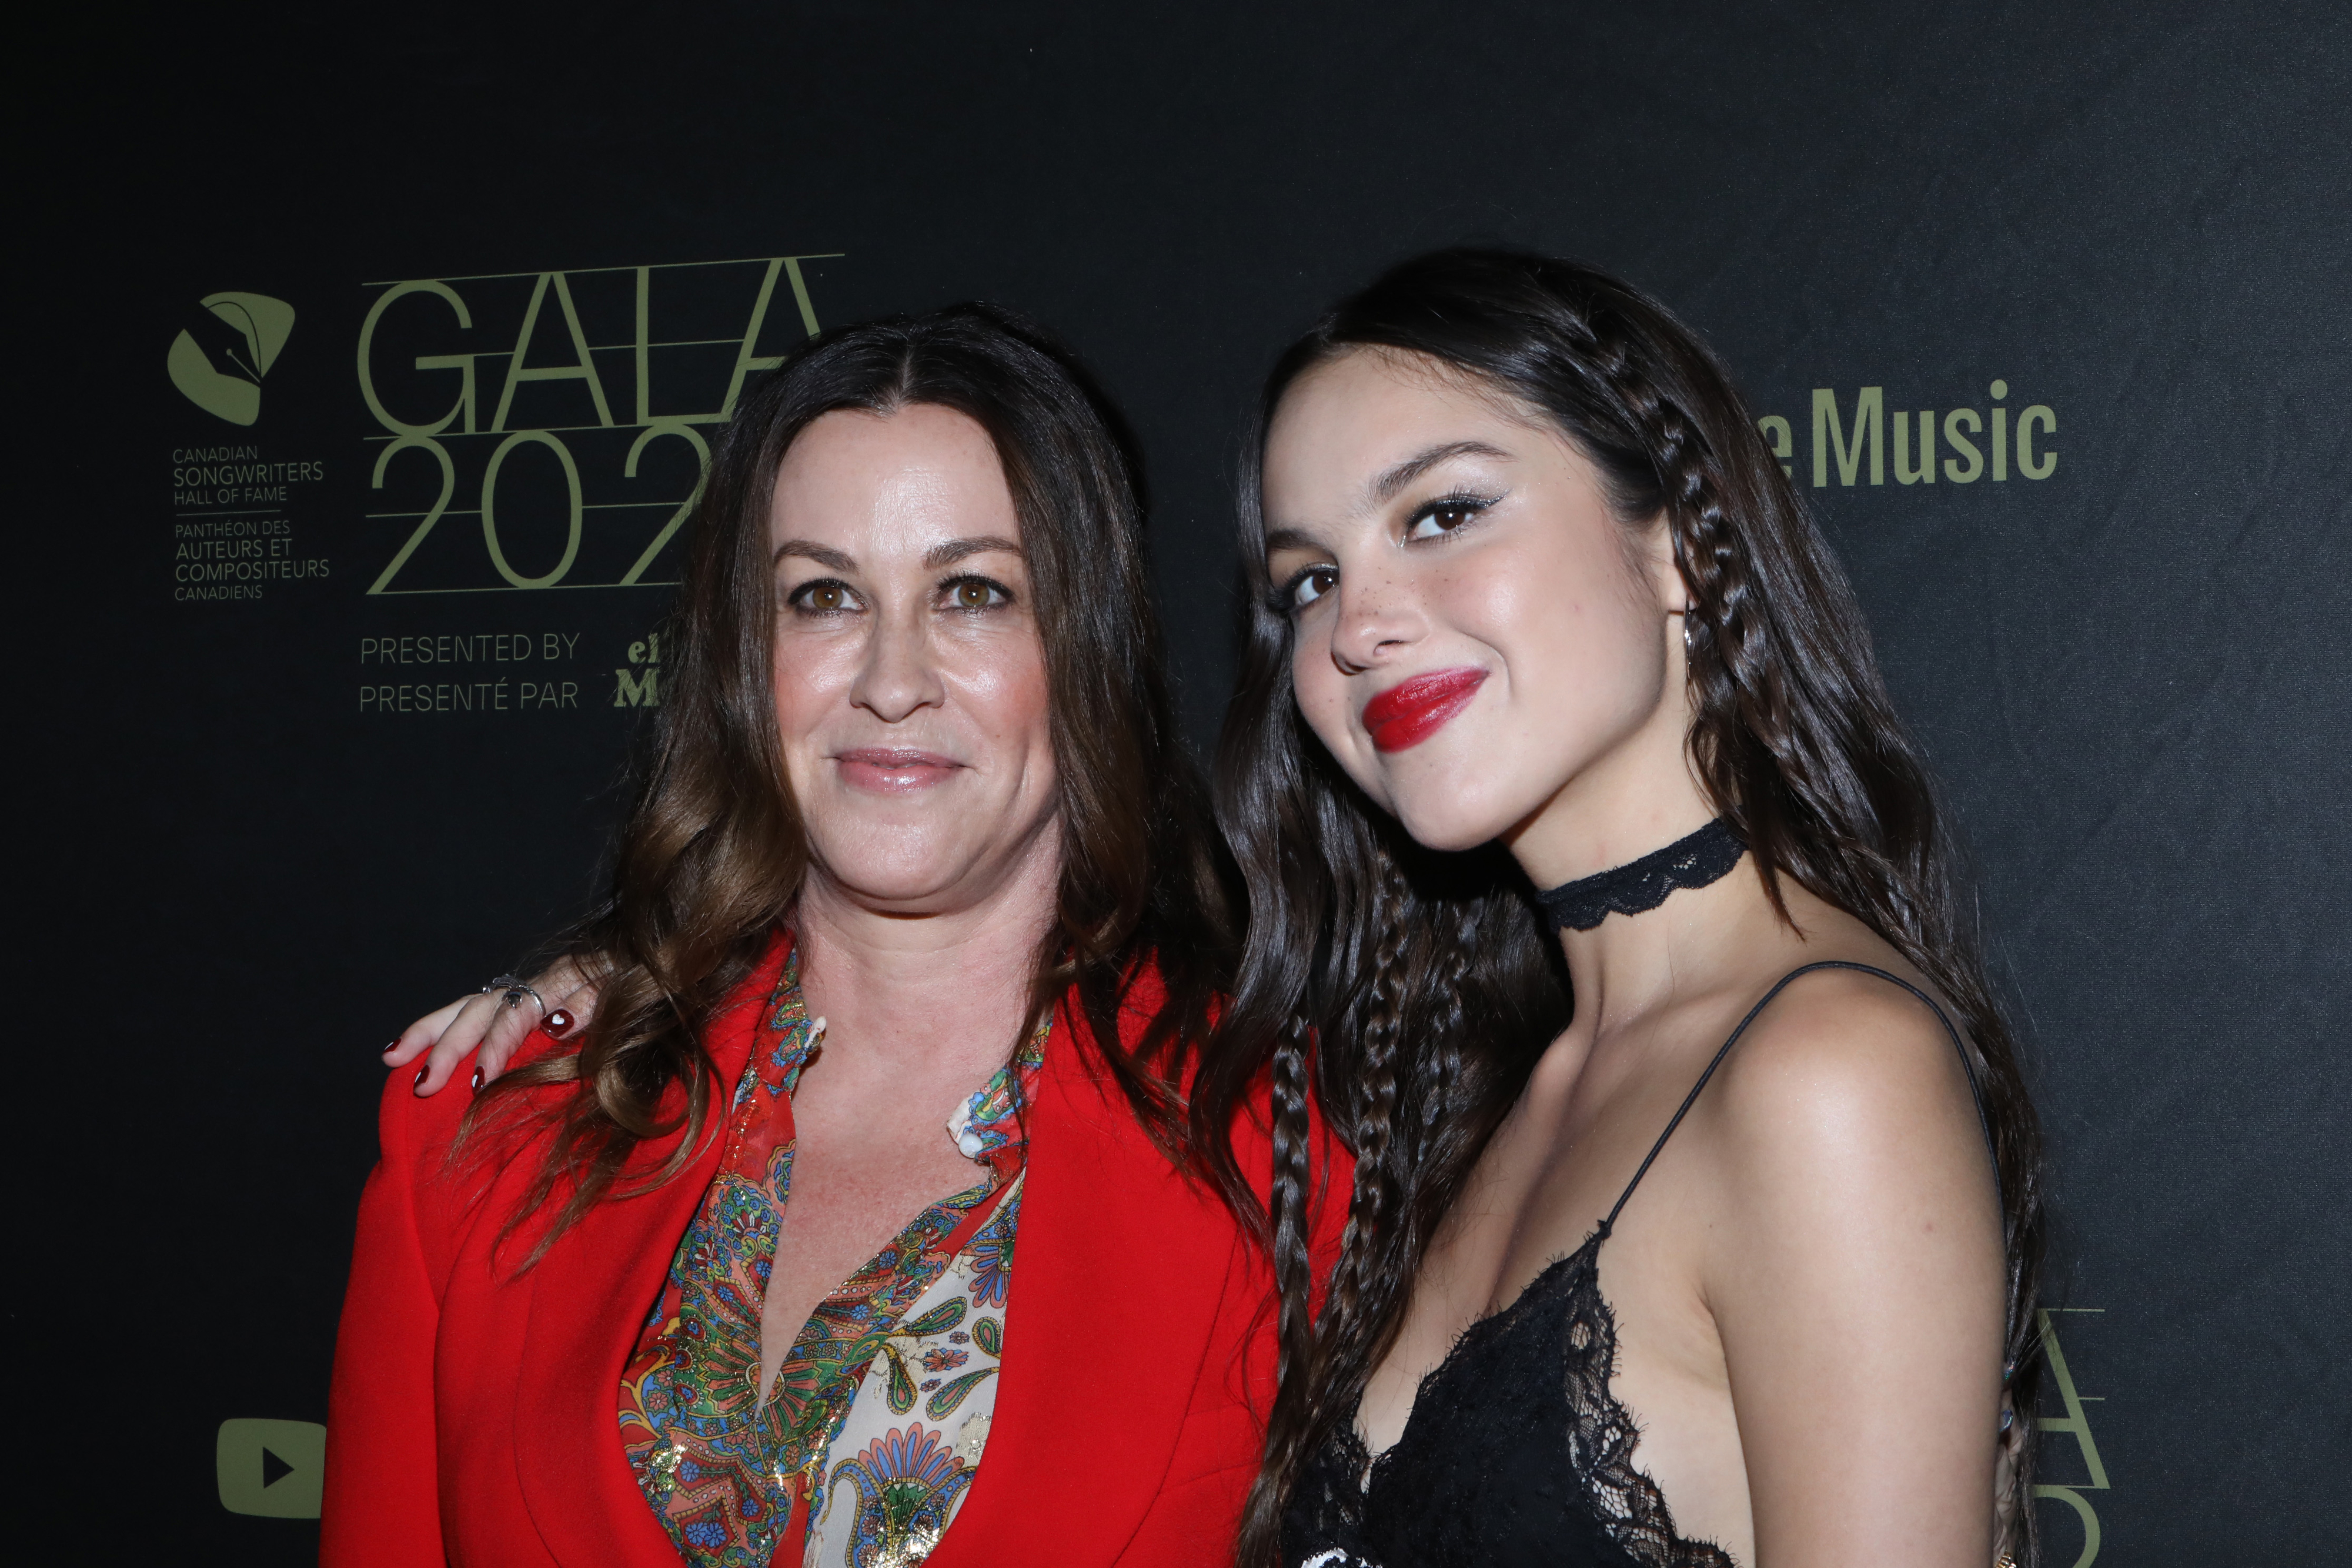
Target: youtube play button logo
274,1468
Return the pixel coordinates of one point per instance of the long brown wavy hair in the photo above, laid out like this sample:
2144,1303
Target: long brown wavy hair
713,852
1411,992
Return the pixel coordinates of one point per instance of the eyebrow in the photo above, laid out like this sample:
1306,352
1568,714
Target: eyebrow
1385,485
1391,480
824,555
954,550
938,555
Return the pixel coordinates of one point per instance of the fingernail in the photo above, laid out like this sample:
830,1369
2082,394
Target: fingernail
478,1078
393,1047
556,1024
420,1078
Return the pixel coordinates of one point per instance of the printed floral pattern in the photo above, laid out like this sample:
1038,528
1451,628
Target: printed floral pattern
907,1484
879,1507
723,1466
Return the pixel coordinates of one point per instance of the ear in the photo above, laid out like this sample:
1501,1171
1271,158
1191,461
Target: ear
1674,597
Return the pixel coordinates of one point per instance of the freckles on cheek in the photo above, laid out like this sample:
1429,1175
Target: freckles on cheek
1322,698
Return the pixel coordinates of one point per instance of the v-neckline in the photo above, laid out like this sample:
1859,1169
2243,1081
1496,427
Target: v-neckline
1482,1326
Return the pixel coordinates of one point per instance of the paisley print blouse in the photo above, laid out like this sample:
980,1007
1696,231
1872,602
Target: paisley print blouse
862,1451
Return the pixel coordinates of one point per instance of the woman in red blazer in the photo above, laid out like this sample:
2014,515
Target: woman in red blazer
917,771
460,1384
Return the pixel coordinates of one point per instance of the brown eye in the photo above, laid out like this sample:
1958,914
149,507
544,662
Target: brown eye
1440,517
1311,585
825,596
976,593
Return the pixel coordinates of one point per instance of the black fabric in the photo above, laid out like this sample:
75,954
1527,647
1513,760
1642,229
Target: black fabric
1505,1460
1515,1452
1638,886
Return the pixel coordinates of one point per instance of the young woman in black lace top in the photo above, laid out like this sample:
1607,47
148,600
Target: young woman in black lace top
1538,611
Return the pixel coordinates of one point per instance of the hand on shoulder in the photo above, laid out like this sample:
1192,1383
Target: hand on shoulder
491,1024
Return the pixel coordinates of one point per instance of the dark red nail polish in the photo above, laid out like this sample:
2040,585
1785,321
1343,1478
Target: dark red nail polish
420,1077
478,1078
557,1024
390,1048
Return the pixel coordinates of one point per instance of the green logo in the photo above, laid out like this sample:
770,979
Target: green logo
274,1468
218,361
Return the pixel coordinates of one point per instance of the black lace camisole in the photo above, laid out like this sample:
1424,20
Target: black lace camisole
1515,1453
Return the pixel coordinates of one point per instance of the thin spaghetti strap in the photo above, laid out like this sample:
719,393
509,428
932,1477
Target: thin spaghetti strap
1976,1091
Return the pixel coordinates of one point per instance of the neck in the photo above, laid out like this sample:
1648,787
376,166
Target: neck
1638,801
1630,964
933,992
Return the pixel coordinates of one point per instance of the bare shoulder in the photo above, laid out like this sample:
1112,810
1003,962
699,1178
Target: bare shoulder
1847,1080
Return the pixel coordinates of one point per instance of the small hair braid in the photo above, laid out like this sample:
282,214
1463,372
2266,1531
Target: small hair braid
1293,1266
1728,658
1709,549
1379,1181
1446,1025
1293,1271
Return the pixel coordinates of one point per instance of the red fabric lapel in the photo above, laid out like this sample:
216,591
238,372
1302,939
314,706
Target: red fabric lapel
588,1301
1118,1265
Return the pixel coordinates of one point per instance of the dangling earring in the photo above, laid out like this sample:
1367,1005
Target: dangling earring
1687,641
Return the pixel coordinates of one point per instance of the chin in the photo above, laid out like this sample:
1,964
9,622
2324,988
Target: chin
1450,820
895,867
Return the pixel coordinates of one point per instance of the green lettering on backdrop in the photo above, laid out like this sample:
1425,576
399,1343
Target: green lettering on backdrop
693,437
2040,415
745,361
1953,468
1926,473
1969,462
432,515
461,418
2000,434
2075,1424
367,372
489,509
1869,415
629,691
582,366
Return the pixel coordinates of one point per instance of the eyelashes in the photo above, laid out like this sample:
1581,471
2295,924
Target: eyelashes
823,596
1433,521
1291,596
1463,505
973,594
967,593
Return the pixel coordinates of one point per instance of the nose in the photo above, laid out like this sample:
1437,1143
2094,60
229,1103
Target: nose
900,676
1378,618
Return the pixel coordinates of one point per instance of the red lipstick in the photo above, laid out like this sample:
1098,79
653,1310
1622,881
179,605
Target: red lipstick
891,770
1411,711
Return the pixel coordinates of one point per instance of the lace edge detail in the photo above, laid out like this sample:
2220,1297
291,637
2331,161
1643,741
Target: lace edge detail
1624,1502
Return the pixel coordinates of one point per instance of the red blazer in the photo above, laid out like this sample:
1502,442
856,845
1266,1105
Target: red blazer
474,1415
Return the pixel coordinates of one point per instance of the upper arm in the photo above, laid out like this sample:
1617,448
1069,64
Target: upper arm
382,1491
1857,1282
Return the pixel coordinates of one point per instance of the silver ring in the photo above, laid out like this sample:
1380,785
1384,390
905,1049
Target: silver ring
515,992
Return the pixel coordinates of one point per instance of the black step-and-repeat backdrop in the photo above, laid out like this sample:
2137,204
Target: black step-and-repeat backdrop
366,367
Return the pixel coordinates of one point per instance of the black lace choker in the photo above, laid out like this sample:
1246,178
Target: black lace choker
1639,886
